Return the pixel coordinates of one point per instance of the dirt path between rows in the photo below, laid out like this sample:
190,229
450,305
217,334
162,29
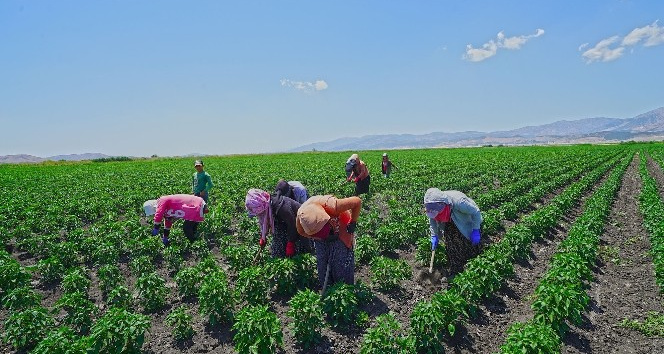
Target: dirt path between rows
487,332
624,281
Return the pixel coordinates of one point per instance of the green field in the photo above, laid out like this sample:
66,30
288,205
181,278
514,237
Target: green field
80,270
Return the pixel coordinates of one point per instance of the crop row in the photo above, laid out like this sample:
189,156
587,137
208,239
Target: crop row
72,223
652,209
430,320
403,229
561,293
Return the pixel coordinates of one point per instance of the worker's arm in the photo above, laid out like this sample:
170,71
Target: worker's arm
354,204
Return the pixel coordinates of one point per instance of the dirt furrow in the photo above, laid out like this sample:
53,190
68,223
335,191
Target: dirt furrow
487,332
624,281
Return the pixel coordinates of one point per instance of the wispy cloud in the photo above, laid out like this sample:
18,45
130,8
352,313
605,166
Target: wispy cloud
652,35
305,86
490,48
602,51
613,47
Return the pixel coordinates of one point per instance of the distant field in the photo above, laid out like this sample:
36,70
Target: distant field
570,256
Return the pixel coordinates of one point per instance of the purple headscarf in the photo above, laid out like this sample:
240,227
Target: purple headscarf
257,203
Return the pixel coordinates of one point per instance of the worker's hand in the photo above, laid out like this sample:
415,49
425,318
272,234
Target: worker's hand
290,249
434,242
262,242
155,230
357,179
351,227
475,237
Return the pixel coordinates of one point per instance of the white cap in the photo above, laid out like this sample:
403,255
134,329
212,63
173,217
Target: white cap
384,154
150,207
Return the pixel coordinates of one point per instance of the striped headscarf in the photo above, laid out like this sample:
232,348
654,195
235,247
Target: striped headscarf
257,203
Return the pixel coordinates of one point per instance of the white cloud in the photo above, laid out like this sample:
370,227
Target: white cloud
650,35
603,51
320,85
305,86
476,54
490,48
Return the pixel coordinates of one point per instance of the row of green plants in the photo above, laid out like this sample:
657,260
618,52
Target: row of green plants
560,296
652,209
91,226
485,274
432,319
402,231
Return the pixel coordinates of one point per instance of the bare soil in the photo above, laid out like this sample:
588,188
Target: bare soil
486,332
624,281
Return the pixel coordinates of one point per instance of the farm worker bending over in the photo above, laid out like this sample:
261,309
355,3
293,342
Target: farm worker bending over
177,206
387,166
276,214
293,190
201,182
357,171
462,235
331,222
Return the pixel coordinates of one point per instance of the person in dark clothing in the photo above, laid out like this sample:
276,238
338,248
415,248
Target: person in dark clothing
293,190
276,214
386,166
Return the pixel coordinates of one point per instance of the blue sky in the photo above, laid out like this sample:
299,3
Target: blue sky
220,77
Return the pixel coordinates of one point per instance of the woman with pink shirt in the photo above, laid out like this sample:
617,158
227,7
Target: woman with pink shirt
168,208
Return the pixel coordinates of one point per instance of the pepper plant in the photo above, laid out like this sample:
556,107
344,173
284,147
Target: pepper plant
257,330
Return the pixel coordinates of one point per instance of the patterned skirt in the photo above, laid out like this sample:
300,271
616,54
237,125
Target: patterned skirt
341,260
458,248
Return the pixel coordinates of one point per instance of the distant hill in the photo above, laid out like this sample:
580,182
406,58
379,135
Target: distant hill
34,159
646,126
78,157
20,159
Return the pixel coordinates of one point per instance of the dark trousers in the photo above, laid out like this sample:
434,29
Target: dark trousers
362,186
190,228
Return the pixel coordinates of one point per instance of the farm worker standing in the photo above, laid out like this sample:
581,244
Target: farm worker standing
177,206
276,214
331,222
293,190
201,182
357,171
387,166
462,235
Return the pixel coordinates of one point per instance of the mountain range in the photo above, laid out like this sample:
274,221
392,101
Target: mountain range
648,126
23,158
644,127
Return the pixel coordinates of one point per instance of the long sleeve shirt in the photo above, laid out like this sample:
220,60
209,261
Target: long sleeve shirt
201,181
465,213
284,210
179,206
